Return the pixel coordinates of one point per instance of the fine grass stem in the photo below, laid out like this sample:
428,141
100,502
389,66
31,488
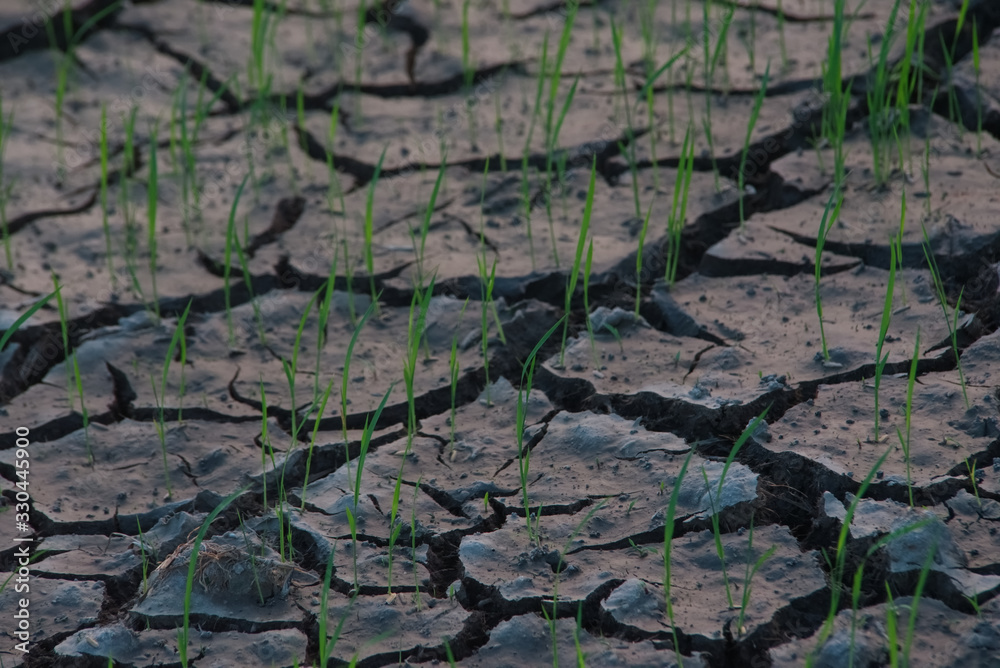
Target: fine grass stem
575,273
942,296
668,544
523,402
754,113
72,367
184,631
880,361
904,441
830,215
678,207
716,529
227,264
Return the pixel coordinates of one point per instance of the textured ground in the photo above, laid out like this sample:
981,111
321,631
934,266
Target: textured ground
609,429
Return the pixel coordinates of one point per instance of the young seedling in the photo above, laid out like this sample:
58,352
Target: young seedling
904,441
227,266
184,631
754,113
970,465
526,152
575,274
918,592
561,168
103,148
751,570
859,577
830,215
366,439
840,559
678,207
550,615
161,397
72,367
145,558
747,433
248,282
523,399
668,545
347,374
629,151
880,361
425,227
943,301
881,115
419,305
586,302
128,170
152,190
65,61
323,399
711,62
486,282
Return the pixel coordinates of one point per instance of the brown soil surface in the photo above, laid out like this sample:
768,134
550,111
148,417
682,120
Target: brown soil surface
431,556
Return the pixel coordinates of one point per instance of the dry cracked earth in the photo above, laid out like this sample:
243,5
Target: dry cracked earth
115,504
